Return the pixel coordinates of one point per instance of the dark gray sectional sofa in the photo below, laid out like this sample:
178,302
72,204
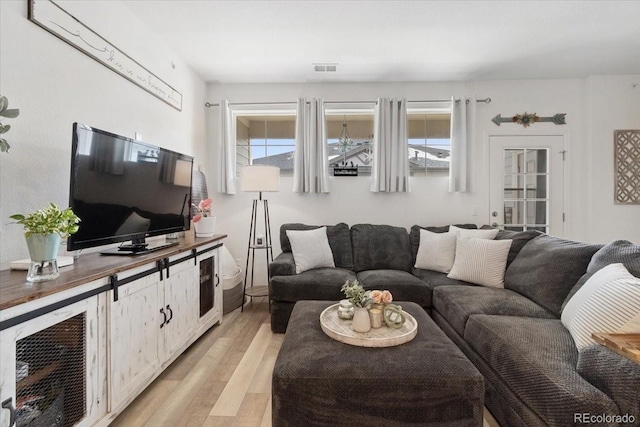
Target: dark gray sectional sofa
534,375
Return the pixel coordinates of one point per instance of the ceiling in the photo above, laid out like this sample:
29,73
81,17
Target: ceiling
278,41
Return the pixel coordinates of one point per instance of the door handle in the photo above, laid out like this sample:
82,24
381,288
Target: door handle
8,404
217,280
170,314
164,315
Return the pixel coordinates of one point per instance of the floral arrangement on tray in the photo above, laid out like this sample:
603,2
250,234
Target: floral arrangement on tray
373,308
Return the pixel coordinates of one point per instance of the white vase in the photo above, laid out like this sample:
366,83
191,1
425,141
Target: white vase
43,250
205,227
361,321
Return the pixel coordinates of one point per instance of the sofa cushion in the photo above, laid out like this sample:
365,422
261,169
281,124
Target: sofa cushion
435,278
378,247
437,251
617,251
537,359
310,249
457,303
339,240
617,376
318,284
608,302
519,239
481,261
403,285
283,265
414,235
547,268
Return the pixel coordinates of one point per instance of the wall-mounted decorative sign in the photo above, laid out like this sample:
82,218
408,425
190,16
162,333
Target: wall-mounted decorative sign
627,167
345,171
60,23
527,119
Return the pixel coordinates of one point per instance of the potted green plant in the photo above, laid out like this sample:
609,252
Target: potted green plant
9,114
44,231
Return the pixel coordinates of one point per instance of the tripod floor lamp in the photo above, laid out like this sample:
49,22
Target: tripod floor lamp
258,178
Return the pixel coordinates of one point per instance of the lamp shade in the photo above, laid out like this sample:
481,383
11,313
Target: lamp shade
259,178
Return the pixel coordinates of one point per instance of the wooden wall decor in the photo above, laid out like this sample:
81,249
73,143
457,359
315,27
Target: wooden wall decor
65,26
527,119
627,167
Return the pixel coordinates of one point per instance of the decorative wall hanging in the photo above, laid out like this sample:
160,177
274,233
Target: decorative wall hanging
627,167
63,25
527,119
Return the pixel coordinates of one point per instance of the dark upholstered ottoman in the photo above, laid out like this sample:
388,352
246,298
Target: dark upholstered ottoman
319,381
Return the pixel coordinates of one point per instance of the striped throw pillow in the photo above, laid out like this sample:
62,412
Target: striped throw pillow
608,302
481,261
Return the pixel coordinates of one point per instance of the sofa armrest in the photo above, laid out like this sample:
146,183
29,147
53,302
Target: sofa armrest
283,265
614,374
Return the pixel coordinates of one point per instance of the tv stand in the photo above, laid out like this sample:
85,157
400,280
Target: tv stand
136,249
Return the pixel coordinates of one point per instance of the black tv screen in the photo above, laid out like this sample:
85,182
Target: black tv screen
124,189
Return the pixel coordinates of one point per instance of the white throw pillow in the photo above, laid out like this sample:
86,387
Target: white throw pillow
310,249
481,261
608,302
436,251
478,234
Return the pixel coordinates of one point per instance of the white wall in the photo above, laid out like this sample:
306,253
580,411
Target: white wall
55,85
613,103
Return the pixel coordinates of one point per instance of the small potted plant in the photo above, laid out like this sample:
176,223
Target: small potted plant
203,222
361,300
44,231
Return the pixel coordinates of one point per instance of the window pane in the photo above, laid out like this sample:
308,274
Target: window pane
513,161
537,161
514,186
538,228
536,186
429,141
514,212
267,139
350,144
514,228
537,212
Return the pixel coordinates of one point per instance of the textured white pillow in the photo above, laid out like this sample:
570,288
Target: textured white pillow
478,234
608,302
310,249
436,251
481,261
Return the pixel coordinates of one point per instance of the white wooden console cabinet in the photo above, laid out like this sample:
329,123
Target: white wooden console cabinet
80,348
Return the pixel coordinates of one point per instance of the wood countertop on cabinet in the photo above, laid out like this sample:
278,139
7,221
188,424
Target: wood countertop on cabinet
15,290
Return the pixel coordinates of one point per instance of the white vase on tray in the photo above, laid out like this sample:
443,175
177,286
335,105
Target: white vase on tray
361,321
205,227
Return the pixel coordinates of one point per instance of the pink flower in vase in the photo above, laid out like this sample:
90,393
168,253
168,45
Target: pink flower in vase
376,296
386,297
204,209
197,218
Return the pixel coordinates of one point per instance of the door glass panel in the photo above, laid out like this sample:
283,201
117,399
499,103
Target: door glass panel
514,228
539,228
536,212
514,186
514,212
513,161
525,189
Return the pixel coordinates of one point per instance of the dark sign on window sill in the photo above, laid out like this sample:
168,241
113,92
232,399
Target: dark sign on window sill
345,171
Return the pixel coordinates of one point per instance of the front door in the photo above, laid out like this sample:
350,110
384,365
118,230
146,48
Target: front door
527,182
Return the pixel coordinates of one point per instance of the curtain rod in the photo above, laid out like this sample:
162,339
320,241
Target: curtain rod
208,104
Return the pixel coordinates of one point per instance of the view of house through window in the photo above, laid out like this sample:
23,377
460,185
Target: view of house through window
428,131
351,144
268,138
265,139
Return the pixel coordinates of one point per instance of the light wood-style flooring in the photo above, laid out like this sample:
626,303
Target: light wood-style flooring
223,379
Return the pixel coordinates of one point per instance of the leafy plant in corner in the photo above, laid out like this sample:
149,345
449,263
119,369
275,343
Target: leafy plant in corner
50,220
9,114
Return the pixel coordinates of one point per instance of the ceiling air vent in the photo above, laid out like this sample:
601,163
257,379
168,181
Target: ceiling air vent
324,68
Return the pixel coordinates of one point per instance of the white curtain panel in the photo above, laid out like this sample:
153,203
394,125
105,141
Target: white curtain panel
390,168
463,117
226,140
311,166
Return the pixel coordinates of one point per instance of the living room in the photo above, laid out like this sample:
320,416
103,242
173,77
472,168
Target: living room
558,64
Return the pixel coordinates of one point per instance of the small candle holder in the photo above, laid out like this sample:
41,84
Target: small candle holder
376,317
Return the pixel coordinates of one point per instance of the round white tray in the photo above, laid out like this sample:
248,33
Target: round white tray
340,330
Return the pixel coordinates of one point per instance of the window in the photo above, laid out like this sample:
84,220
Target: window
359,128
265,138
428,130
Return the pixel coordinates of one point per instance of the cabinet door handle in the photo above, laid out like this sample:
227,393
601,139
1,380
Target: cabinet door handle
8,404
170,314
164,320
217,280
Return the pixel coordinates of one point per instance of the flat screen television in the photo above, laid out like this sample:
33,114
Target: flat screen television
123,189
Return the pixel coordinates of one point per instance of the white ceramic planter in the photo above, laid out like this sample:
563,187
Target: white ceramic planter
361,321
43,251
205,227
